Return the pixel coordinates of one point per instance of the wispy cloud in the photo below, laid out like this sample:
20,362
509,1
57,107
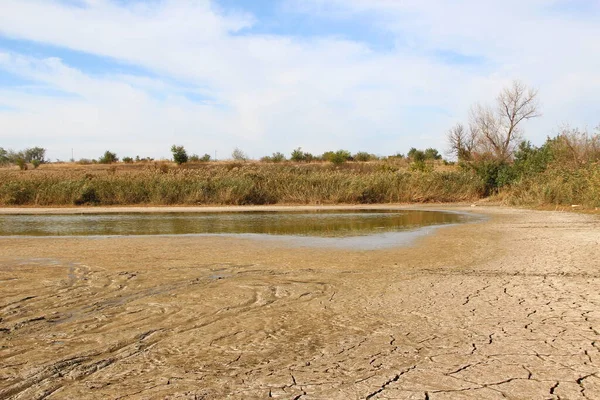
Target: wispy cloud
383,76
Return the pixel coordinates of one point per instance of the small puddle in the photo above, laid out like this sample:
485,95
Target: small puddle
360,229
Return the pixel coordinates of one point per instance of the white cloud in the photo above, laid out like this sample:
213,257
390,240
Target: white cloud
270,93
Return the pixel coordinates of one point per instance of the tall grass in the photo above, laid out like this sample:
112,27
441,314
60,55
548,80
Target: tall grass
237,184
564,171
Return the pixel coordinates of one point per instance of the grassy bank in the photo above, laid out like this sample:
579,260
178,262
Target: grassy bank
566,187
236,184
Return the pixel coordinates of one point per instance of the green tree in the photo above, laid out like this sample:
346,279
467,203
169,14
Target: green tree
179,154
363,156
108,158
35,154
3,156
416,155
337,157
432,154
298,155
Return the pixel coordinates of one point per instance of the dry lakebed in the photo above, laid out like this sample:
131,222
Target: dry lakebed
503,307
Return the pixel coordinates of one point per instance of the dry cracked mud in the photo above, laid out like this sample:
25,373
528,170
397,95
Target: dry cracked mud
506,308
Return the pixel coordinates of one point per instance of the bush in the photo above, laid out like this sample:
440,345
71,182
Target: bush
35,163
363,156
21,164
299,156
35,154
4,156
338,157
493,173
432,154
127,160
88,195
108,158
179,154
275,158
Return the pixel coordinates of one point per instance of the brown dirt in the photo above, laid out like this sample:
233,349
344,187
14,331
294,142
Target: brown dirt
507,308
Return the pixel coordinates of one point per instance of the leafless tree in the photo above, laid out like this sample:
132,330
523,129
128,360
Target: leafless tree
497,130
462,142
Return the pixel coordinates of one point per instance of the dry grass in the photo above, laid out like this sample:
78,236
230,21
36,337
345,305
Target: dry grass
231,183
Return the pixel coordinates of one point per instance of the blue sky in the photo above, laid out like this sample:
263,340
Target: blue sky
381,76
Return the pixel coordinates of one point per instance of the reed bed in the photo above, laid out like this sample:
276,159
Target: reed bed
557,186
236,184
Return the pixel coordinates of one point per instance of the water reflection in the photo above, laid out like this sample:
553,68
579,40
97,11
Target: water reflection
319,224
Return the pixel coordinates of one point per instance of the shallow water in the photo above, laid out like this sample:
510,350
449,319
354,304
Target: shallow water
357,229
318,223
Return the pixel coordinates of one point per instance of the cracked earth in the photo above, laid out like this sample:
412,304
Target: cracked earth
508,308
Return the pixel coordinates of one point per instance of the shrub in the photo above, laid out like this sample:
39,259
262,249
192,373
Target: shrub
87,195
3,156
298,155
363,156
35,163
21,164
179,154
337,157
35,154
274,158
432,154
108,158
127,160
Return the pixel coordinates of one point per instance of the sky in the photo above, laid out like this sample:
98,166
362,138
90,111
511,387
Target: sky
135,77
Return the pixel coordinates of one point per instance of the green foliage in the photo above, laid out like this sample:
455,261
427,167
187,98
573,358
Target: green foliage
36,163
179,154
4,156
429,154
363,156
21,163
108,158
531,160
432,154
421,165
337,157
127,160
494,174
275,158
416,155
35,154
87,196
298,155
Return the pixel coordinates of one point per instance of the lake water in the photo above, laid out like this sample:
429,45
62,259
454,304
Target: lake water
365,229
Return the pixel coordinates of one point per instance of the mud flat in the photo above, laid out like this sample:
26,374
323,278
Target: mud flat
506,308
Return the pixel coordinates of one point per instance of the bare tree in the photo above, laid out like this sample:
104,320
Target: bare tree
462,142
497,130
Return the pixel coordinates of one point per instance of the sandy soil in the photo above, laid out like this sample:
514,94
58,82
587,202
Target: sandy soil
507,308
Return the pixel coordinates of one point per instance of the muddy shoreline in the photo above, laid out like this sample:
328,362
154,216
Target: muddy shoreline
505,308
214,209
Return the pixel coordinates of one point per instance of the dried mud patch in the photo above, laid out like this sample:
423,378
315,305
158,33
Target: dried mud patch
508,308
